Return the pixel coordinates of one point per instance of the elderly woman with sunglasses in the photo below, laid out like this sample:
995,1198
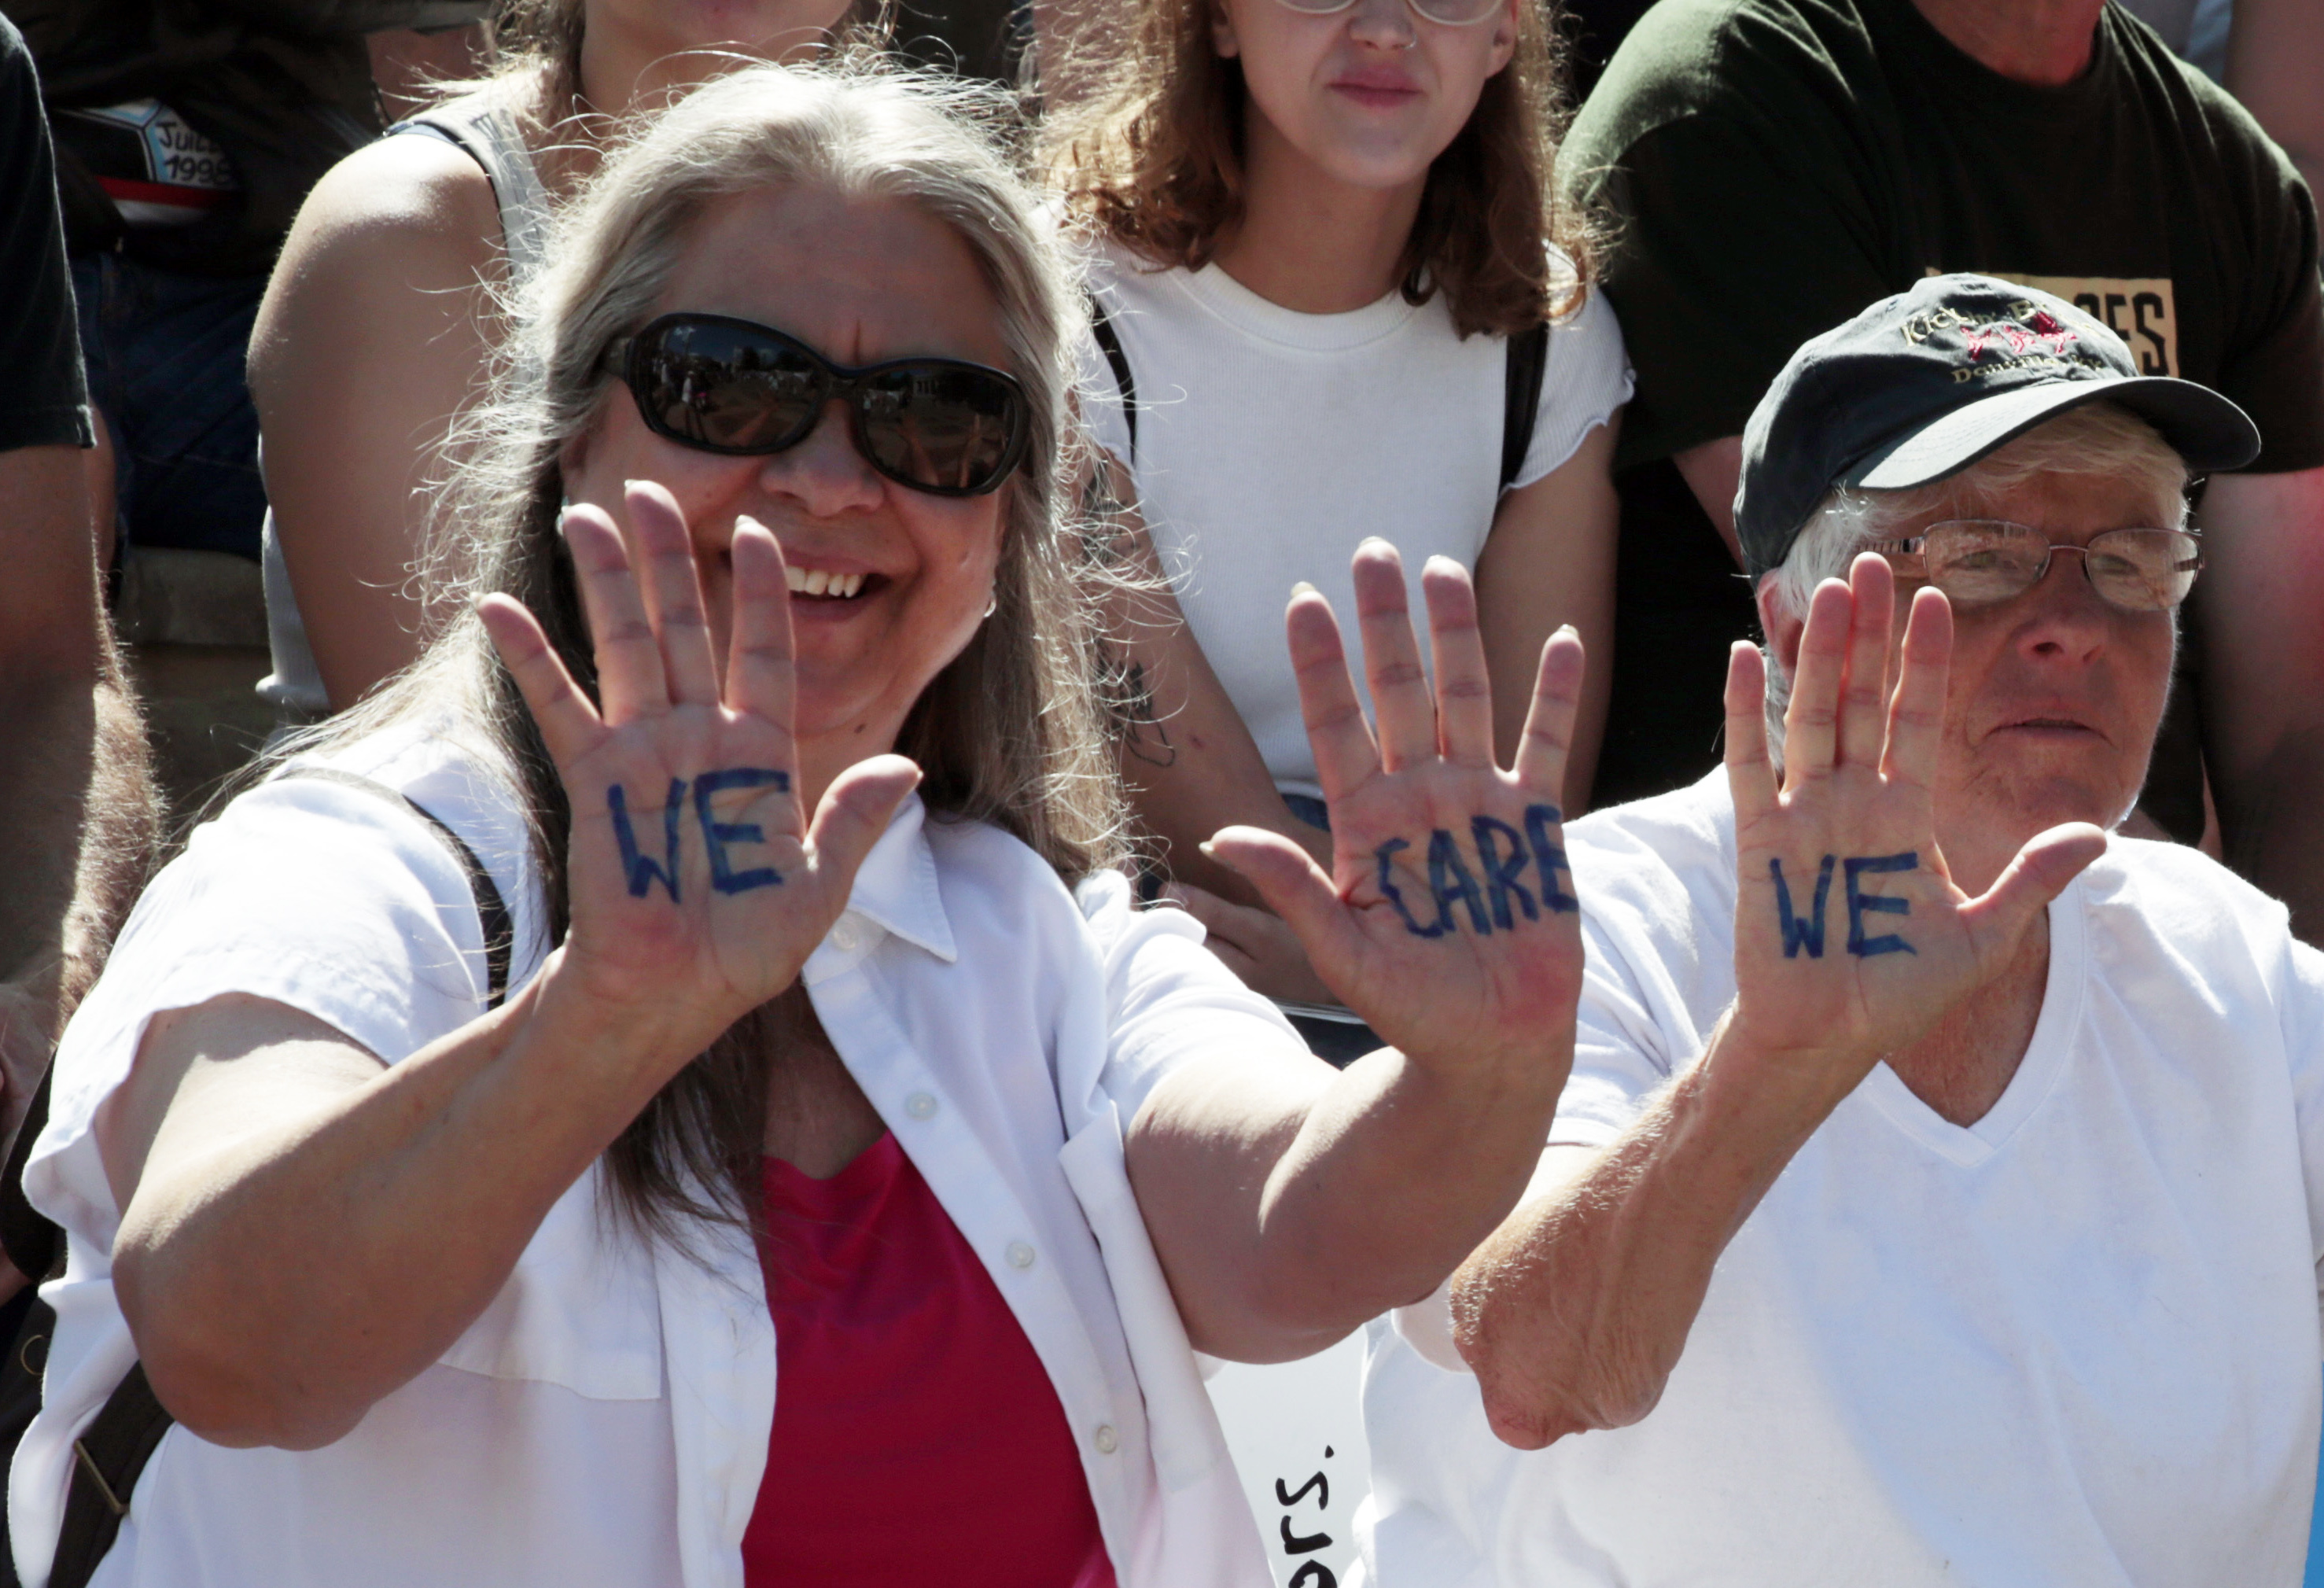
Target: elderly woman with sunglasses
586,1118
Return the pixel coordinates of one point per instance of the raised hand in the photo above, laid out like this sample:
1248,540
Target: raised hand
1448,922
697,888
1850,937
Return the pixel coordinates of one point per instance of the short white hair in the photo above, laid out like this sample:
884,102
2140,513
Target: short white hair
2097,439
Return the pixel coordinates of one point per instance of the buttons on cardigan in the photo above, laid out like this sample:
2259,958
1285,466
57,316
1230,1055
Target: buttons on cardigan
1106,1440
920,1105
1020,1256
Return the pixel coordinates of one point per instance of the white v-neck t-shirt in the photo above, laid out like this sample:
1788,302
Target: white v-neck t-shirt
2075,1342
1271,444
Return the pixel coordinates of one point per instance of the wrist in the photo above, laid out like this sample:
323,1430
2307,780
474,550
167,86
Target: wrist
1778,1087
656,1035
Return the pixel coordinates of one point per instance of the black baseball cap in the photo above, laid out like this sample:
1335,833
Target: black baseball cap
1923,384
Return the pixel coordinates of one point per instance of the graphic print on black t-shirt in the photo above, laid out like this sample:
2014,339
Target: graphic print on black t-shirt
2143,310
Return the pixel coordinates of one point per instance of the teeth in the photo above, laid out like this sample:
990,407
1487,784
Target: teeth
817,581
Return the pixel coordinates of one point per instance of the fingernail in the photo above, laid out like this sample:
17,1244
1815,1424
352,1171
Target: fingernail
1208,854
1304,588
743,521
1567,629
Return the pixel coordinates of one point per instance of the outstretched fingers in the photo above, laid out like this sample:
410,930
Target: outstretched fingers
569,726
2040,871
672,586
1548,737
1399,687
854,811
1864,694
1464,691
1750,774
1297,890
1916,716
630,679
761,675
1812,721
1345,755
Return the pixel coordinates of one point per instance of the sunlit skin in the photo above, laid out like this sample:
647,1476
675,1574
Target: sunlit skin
1369,95
860,282
1343,115
2054,698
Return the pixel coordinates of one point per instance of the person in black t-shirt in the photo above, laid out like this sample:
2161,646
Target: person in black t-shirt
1776,165
76,806
187,137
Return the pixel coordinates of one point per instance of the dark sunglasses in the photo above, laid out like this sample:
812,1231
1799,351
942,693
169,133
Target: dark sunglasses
1976,562
730,386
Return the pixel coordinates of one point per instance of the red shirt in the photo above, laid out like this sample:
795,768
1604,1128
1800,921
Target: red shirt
918,1438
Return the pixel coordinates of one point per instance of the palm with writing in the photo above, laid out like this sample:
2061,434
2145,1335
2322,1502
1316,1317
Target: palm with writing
1852,938
697,888
1448,920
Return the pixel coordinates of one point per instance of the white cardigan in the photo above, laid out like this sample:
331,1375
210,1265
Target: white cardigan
607,1419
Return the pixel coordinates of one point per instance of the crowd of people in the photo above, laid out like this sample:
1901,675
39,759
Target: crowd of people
831,912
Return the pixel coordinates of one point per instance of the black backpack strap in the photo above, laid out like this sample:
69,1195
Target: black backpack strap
500,932
107,1458
1108,342
30,1240
1529,359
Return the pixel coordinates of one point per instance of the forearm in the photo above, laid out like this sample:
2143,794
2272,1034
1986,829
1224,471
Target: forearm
281,1279
1368,1187
76,852
1574,1312
1188,763
2262,680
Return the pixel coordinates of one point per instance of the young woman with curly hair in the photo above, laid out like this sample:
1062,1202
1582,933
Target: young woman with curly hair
1334,275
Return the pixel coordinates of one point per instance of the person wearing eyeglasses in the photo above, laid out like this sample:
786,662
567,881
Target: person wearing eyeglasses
1335,297
1938,1196
675,1090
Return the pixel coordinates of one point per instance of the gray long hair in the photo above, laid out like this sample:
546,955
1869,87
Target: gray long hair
2095,438
1012,732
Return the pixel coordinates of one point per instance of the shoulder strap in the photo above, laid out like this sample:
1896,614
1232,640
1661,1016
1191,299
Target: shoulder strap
107,1458
1108,342
1528,358
499,931
489,135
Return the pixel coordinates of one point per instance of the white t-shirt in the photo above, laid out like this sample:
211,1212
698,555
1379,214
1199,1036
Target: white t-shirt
1271,444
2075,1342
606,1418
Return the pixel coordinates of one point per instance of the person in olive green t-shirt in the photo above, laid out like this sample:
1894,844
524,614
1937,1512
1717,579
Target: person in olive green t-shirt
1773,166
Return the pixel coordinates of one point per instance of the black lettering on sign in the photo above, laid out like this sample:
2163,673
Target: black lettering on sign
1307,1545
1314,1573
1319,1481
2152,317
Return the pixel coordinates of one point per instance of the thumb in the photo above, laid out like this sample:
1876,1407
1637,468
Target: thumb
2038,874
854,812
1295,889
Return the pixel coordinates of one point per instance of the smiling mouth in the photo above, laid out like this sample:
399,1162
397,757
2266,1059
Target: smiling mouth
821,584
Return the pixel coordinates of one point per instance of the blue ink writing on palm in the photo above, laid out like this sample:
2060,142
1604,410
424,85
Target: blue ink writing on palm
1503,854
1807,931
642,870
1861,904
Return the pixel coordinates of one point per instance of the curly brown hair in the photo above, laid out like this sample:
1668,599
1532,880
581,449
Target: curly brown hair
1152,155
